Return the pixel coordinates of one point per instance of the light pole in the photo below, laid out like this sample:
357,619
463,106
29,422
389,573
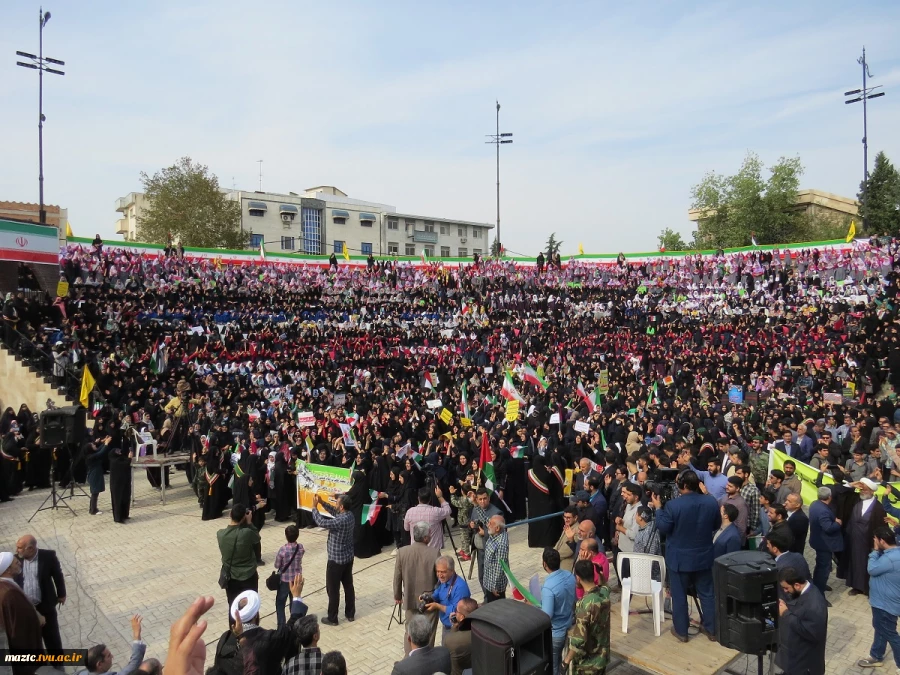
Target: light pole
39,63
864,95
499,139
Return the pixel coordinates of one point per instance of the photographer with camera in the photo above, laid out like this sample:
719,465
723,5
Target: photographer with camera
688,523
459,640
482,512
451,588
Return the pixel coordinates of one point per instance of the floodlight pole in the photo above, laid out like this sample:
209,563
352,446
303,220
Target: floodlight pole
498,139
39,63
864,95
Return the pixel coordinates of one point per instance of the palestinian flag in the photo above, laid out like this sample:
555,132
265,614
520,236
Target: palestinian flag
429,380
652,395
158,358
485,463
464,402
417,456
353,419
531,376
509,391
370,511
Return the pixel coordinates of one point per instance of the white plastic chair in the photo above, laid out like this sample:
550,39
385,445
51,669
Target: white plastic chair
639,581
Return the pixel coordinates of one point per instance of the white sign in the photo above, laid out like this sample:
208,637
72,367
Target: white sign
435,404
489,370
582,427
554,418
306,419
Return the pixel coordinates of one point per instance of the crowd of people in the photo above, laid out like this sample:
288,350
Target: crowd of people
622,371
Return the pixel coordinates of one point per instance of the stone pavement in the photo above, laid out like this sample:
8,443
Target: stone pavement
166,556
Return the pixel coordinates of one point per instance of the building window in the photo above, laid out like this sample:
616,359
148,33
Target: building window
393,224
256,240
312,231
257,209
366,223
445,251
366,248
393,248
428,251
443,229
410,224
461,231
429,226
476,251
476,233
287,243
339,221
463,252
410,249
338,246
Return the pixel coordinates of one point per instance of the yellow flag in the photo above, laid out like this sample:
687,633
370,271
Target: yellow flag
68,230
345,252
580,249
87,386
851,233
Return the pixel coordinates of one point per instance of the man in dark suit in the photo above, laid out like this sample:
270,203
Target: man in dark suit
778,546
422,658
43,583
825,536
804,618
787,445
728,539
689,523
797,521
414,574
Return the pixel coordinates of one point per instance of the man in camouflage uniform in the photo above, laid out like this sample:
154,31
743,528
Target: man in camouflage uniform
759,460
589,636
463,500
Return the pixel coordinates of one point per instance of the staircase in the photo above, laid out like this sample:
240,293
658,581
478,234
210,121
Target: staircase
20,384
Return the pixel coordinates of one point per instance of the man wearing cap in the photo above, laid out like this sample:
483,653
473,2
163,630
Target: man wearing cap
867,515
20,619
263,649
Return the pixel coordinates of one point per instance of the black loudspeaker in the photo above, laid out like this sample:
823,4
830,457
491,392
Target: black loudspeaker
511,638
63,426
746,588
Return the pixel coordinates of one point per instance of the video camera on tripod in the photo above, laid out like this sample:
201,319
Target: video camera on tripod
665,486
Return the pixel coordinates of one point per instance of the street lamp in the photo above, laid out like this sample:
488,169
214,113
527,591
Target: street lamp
499,139
39,63
864,95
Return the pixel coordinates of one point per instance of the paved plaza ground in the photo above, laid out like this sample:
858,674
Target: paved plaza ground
166,556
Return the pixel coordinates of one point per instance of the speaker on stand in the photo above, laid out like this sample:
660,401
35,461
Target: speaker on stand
59,428
746,590
511,638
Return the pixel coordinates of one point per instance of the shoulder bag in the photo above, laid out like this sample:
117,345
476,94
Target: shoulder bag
274,579
225,574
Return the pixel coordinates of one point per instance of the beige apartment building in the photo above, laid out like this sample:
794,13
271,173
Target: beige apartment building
322,219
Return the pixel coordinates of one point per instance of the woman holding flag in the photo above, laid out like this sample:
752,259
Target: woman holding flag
365,539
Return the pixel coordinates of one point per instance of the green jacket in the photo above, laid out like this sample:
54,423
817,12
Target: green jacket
237,546
589,635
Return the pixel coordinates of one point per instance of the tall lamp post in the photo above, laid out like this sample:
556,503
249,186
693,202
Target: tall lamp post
39,63
499,139
864,95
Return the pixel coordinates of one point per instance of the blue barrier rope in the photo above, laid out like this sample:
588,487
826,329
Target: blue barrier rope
534,520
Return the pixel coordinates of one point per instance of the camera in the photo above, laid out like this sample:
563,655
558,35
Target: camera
480,525
424,599
665,490
453,618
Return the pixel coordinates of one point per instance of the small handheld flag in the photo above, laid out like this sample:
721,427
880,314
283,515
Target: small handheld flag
851,233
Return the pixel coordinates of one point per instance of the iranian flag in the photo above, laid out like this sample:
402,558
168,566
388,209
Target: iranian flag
464,402
370,511
262,251
485,462
402,452
592,401
489,401
509,391
652,394
429,380
531,376
353,419
158,358
517,451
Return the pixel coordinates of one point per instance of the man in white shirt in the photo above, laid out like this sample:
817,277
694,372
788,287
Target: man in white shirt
626,525
44,585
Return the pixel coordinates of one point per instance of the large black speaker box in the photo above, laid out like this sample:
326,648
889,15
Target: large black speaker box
63,426
746,588
511,638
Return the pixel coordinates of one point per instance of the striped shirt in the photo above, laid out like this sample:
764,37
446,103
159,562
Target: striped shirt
284,555
496,549
340,533
434,516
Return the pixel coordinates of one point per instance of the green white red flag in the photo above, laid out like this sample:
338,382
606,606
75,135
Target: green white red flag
370,511
509,391
531,376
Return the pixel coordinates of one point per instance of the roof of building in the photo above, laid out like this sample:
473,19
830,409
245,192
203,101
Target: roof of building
448,221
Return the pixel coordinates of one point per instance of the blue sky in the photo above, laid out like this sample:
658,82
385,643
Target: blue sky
617,111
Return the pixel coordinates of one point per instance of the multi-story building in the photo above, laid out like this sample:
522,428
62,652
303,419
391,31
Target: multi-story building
323,219
131,206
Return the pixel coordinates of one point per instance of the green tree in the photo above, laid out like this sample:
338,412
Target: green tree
733,207
881,206
670,240
185,201
553,245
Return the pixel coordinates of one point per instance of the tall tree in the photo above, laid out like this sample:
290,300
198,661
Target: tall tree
185,201
670,240
553,245
732,207
881,207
